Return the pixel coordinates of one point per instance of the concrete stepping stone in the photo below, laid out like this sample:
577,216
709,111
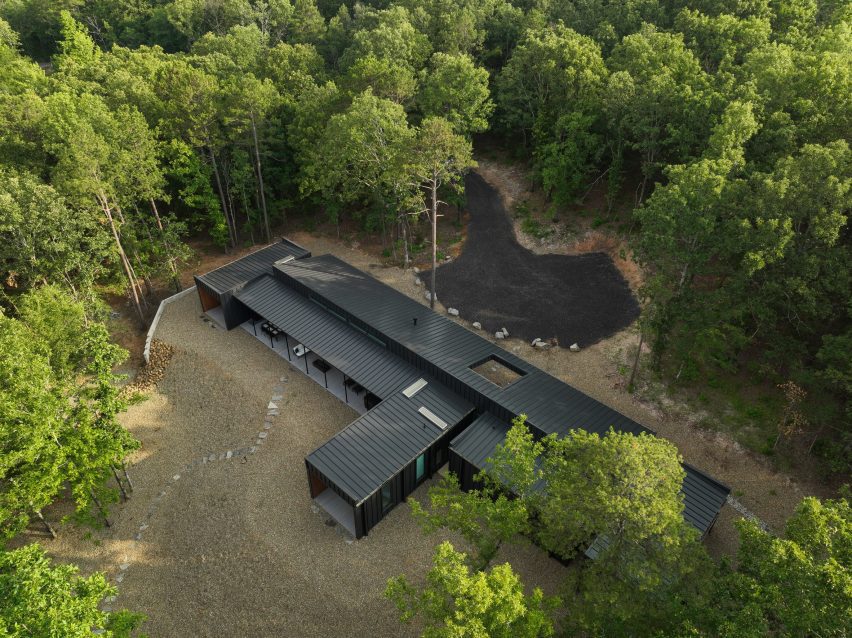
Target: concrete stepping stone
272,406
262,435
277,397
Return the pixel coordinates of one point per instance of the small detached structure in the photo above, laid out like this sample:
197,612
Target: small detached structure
433,391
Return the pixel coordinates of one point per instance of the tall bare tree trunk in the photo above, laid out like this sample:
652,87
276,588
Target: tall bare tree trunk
433,295
44,522
120,484
172,265
260,180
128,269
126,475
231,233
630,385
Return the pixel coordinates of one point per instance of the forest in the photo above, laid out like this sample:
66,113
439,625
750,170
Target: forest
719,129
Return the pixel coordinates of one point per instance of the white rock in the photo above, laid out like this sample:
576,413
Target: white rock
499,335
541,344
271,406
535,341
574,347
477,325
428,295
505,332
418,281
453,312
416,270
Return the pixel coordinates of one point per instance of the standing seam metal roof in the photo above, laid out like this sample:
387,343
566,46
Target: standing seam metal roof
236,273
355,354
373,448
551,405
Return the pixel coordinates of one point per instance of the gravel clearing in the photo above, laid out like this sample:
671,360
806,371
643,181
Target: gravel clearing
235,547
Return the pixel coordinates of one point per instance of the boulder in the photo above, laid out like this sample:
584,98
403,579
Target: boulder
574,347
541,344
416,270
499,335
418,281
535,341
428,296
477,325
505,332
453,312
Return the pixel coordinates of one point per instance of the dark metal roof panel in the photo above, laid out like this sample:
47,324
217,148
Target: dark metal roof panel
348,350
550,404
377,446
480,438
241,271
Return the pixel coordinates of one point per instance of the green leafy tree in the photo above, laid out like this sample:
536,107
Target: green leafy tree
552,71
440,160
499,511
620,494
795,585
40,599
41,241
667,119
358,157
32,413
456,602
457,90
60,424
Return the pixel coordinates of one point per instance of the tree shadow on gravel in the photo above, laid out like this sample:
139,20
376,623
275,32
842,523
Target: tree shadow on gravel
501,284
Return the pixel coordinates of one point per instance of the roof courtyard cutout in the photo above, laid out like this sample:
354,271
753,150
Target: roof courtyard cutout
497,371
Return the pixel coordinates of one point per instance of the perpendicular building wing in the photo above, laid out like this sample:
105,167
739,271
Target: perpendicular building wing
433,391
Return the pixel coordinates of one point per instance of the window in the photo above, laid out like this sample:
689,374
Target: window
421,468
387,497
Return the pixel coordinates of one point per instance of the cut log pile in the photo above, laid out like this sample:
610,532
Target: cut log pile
152,373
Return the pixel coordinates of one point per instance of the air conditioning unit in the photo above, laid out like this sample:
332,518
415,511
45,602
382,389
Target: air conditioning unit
300,351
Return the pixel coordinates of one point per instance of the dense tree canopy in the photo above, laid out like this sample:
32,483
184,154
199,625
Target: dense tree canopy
126,127
40,599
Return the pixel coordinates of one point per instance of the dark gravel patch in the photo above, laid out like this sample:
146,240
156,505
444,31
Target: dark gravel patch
498,282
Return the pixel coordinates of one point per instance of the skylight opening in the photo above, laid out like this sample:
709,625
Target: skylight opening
497,371
414,388
434,418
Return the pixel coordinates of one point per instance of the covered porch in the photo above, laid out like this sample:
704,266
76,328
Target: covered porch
311,365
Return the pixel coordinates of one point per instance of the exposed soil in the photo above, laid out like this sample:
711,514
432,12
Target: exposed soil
579,298
566,232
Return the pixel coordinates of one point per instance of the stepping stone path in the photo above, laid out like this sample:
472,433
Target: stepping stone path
272,411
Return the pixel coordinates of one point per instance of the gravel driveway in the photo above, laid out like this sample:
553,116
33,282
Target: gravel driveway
498,282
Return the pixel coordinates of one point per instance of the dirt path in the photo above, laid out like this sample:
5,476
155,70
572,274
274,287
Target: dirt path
499,283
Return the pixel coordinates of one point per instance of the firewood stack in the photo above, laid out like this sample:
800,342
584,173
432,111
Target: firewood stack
152,373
